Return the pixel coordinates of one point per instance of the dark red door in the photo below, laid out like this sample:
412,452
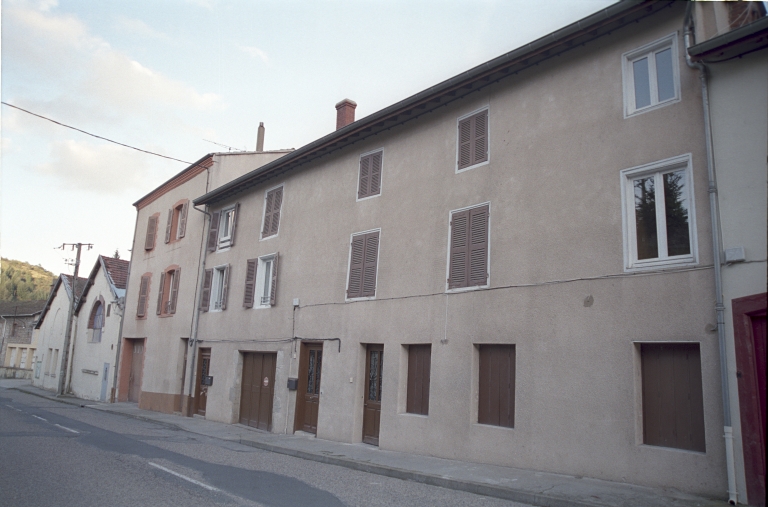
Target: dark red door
308,398
258,390
137,369
374,361
203,366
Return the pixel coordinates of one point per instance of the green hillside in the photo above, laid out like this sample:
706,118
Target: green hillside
20,281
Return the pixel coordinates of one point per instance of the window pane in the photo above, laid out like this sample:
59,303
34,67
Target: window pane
676,210
664,75
642,83
645,218
267,282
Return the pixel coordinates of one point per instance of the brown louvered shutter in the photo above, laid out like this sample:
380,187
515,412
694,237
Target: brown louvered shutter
250,282
457,272
225,288
355,286
417,387
268,214
496,397
235,213
141,310
478,246
369,264
213,231
465,143
365,177
275,225
183,220
205,296
160,294
273,282
480,138
149,241
375,186
168,226
175,290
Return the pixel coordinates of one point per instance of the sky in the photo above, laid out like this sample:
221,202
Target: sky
170,76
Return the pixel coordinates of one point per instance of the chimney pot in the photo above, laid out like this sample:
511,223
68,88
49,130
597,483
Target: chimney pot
345,113
260,137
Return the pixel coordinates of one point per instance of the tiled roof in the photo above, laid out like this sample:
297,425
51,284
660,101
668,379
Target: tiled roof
118,271
10,308
80,283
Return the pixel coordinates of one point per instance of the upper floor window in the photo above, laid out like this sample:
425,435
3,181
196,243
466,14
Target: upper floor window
273,202
468,250
96,320
659,218
369,177
222,232
261,282
651,76
363,265
168,292
141,308
177,222
149,239
472,140
215,288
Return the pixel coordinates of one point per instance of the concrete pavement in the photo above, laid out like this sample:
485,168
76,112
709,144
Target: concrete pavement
525,486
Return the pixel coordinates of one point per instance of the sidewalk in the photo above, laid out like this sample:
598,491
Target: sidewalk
525,486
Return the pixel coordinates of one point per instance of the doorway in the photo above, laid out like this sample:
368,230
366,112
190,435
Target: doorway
203,369
137,369
258,390
374,360
308,396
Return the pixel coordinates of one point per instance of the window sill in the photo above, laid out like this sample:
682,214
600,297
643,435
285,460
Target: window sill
673,449
367,197
485,425
366,298
467,289
262,238
658,265
637,112
469,168
411,414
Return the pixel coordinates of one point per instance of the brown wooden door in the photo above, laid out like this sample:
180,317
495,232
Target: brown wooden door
308,398
374,358
137,368
203,367
258,390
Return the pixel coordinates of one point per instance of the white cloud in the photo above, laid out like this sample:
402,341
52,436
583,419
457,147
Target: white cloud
139,28
254,52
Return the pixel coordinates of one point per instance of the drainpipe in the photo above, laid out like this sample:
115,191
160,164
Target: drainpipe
196,309
715,216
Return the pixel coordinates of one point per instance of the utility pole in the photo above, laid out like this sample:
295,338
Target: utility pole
70,319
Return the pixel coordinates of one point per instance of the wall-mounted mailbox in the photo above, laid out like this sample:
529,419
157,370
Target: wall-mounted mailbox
293,384
206,380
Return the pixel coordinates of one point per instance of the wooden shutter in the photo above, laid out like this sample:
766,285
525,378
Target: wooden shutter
183,220
273,282
375,186
459,253
149,241
478,246
225,288
235,213
272,212
355,285
268,214
213,231
168,226
496,404
473,140
419,361
468,265
141,310
365,177
160,291
465,143
250,282
175,290
369,264
205,296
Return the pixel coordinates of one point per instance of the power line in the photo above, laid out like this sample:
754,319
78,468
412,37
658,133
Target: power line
94,135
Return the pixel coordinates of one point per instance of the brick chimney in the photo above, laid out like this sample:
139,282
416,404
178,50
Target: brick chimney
345,113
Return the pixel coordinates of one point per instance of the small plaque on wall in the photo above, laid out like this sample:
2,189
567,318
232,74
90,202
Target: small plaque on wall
206,380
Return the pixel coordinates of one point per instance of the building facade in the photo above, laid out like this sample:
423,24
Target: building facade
17,345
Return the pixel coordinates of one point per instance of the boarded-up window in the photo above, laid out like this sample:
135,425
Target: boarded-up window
362,265
673,408
370,175
468,266
473,140
497,385
272,208
149,241
419,360
141,309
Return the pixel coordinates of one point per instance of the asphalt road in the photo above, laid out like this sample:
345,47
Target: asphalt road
52,454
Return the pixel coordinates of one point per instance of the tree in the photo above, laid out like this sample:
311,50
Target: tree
20,281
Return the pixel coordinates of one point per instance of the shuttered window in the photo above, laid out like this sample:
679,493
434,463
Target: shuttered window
141,310
496,403
213,231
174,291
149,240
468,261
176,226
419,361
272,206
473,140
182,230
261,281
369,183
673,407
161,292
363,265
250,282
205,295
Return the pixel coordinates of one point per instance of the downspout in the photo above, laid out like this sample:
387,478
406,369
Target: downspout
716,258
113,394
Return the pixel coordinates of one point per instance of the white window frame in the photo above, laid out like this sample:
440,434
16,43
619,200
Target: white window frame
261,280
631,262
649,50
448,250
381,180
224,242
486,107
217,282
349,265
264,214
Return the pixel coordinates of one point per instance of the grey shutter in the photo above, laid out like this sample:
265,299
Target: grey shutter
183,220
235,213
225,288
250,282
273,282
375,186
149,241
175,290
478,246
268,213
213,231
457,271
168,226
275,225
143,290
355,286
365,177
205,296
480,138
369,264
160,294
465,143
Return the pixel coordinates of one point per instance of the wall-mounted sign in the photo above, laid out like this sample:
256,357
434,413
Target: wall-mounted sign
206,380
